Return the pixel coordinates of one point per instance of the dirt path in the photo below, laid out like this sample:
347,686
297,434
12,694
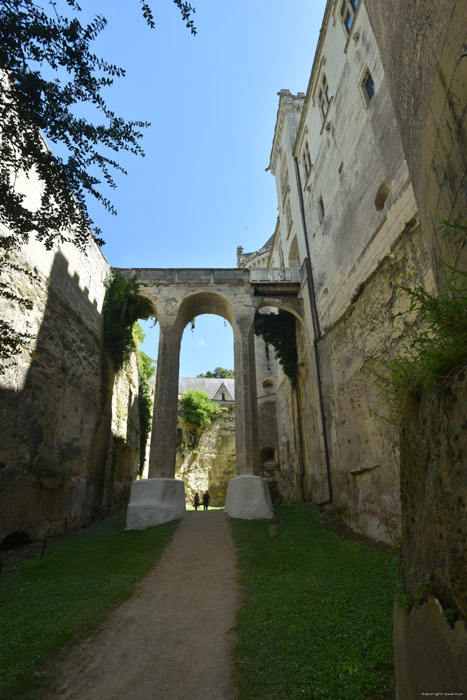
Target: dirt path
172,640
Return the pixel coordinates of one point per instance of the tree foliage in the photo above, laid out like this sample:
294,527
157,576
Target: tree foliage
48,71
218,373
198,407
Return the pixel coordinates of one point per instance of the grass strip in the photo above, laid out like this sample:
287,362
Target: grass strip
317,617
46,603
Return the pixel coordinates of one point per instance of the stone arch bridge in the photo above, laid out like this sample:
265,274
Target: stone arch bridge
177,296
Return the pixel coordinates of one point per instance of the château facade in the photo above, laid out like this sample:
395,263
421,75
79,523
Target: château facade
348,219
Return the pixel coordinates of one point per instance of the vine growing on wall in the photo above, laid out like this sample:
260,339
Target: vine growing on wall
122,308
438,352
278,330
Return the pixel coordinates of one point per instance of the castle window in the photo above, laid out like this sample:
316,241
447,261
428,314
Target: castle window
306,159
320,209
348,10
284,180
368,86
324,96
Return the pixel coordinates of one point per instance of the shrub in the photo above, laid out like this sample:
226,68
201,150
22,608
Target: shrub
198,407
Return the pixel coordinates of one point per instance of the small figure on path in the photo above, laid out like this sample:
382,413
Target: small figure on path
206,499
196,501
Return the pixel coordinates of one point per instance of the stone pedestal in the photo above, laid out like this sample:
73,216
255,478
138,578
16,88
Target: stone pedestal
248,498
155,501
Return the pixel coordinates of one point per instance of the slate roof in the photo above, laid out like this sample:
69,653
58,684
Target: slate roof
209,385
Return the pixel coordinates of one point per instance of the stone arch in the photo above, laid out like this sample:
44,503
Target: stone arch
199,303
150,299
293,306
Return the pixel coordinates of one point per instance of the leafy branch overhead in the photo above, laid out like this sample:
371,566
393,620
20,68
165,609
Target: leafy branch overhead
47,73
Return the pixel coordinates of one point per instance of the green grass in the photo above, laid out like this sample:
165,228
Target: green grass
46,603
317,618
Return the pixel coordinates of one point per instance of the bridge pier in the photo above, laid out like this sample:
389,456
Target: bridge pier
164,421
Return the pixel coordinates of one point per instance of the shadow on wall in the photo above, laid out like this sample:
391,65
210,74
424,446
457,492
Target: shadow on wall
49,427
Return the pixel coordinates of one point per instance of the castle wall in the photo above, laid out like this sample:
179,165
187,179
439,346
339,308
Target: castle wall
429,105
345,199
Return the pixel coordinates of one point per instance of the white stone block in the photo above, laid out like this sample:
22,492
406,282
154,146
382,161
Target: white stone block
248,498
155,501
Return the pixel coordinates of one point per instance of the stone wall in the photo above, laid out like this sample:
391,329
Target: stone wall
433,459
205,458
363,441
57,459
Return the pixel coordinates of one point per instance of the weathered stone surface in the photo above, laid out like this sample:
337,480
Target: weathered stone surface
362,437
57,451
206,456
155,501
248,498
34,506
430,656
433,473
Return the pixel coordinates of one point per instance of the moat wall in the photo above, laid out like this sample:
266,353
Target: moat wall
58,460
430,641
363,441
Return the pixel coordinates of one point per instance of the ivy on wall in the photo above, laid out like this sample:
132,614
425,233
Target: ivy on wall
122,334
122,308
278,330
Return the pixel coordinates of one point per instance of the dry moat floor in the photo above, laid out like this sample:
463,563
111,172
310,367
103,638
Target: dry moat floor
172,639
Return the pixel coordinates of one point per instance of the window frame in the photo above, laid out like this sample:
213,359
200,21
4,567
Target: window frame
324,96
306,163
364,80
348,11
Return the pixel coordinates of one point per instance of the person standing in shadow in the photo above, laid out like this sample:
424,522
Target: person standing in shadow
206,499
196,501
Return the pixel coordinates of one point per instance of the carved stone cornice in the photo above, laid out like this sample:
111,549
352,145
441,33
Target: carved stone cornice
287,103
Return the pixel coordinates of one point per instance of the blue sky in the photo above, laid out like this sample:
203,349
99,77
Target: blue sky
202,188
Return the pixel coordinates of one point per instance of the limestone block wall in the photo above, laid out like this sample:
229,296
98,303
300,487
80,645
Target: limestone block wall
55,456
205,457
